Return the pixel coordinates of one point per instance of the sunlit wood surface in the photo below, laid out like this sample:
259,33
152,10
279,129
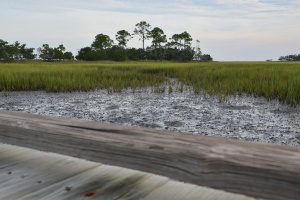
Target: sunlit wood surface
30,174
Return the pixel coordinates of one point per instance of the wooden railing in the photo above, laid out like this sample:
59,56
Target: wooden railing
258,170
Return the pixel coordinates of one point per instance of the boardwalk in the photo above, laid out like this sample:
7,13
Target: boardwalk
30,174
263,171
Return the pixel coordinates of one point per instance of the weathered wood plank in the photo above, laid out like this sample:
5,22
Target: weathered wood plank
266,171
175,191
21,177
54,176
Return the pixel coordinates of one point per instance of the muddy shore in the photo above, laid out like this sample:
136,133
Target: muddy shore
245,118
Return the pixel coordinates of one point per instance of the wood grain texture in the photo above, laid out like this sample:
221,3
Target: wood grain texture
259,170
27,174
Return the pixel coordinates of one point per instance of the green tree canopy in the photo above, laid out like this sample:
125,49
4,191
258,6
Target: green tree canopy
290,58
142,29
87,53
46,52
3,52
15,51
123,37
187,39
182,40
158,37
49,54
102,42
69,55
59,52
178,48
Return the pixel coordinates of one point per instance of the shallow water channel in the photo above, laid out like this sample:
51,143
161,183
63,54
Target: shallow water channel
245,118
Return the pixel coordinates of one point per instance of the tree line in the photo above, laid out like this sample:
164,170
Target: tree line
17,51
177,48
290,58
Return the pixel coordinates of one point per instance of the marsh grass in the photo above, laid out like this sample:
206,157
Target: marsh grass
272,80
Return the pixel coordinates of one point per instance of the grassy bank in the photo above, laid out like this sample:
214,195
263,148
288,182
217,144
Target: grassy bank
269,79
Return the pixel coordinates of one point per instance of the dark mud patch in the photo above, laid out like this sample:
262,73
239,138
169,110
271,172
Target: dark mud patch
285,111
112,107
148,125
230,107
14,103
181,107
121,120
76,102
259,103
173,123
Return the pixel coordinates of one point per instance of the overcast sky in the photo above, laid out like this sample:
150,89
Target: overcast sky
229,30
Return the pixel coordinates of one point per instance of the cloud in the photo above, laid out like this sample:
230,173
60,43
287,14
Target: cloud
239,25
200,8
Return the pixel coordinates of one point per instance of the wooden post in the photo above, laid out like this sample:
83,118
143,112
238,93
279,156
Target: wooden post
258,170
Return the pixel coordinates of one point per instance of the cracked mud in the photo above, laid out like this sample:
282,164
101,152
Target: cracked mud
245,118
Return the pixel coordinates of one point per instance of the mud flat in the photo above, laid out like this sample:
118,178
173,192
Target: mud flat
244,118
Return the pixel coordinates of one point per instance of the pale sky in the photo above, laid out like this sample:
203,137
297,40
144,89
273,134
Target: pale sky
229,30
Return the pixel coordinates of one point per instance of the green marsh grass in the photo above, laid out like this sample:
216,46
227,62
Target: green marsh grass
272,80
